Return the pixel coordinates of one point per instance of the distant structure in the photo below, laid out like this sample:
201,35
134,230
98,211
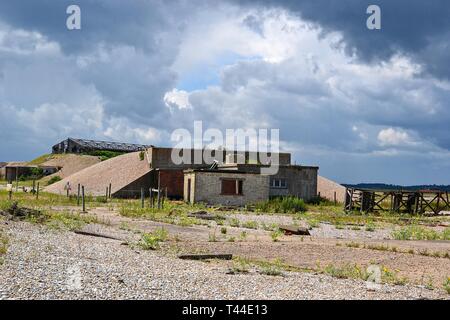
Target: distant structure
72,145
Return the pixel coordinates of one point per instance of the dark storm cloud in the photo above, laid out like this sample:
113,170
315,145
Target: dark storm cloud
110,21
417,28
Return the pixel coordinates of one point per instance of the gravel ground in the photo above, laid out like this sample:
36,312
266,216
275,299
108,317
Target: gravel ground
325,231
46,264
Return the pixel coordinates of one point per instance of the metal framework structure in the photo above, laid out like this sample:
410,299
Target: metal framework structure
72,145
400,201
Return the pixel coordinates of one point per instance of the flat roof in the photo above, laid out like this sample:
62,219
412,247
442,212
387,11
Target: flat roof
218,171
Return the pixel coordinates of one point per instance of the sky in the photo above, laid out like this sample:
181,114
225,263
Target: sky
363,105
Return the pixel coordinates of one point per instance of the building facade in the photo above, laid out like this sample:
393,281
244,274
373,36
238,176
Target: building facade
225,187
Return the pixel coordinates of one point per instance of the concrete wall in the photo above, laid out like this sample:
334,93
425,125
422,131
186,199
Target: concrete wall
207,187
330,190
301,182
162,157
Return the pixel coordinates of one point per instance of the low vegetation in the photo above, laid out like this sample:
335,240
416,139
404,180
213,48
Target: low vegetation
415,232
104,155
446,285
3,245
53,180
282,205
354,271
152,240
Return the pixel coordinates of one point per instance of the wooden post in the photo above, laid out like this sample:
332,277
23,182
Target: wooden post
10,195
34,185
335,201
82,199
159,189
151,197
17,178
109,193
142,198
78,195
37,191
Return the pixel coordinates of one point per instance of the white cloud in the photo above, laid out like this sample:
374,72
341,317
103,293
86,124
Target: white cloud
393,137
177,98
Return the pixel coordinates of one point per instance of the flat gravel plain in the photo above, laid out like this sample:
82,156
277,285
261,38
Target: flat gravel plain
42,263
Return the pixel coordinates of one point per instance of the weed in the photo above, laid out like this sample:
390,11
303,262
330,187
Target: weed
235,222
223,230
243,235
3,245
271,269
370,226
250,225
346,271
415,232
151,241
446,285
282,205
275,235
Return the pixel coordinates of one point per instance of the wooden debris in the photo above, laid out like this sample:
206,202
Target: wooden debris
205,256
95,234
289,230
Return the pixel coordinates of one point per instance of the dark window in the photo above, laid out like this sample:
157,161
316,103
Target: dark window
278,183
232,187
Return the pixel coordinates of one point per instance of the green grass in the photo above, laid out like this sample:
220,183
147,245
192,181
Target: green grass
415,232
53,179
4,241
276,234
104,155
173,212
41,159
152,240
282,205
250,225
446,285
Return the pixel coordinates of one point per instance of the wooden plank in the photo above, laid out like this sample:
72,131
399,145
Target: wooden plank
225,256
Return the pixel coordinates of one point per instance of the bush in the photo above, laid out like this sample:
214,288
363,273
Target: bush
104,155
150,241
282,205
415,232
53,180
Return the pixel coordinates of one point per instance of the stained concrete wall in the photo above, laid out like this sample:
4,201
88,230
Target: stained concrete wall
207,187
301,182
162,157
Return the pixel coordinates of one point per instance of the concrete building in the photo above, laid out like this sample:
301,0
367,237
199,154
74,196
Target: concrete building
290,180
171,175
225,187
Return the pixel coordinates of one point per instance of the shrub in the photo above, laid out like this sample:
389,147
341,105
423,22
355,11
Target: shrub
142,155
447,285
223,230
53,180
415,232
282,205
150,241
275,235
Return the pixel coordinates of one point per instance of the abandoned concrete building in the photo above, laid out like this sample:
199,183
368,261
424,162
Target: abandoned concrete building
225,187
234,178
171,175
72,145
